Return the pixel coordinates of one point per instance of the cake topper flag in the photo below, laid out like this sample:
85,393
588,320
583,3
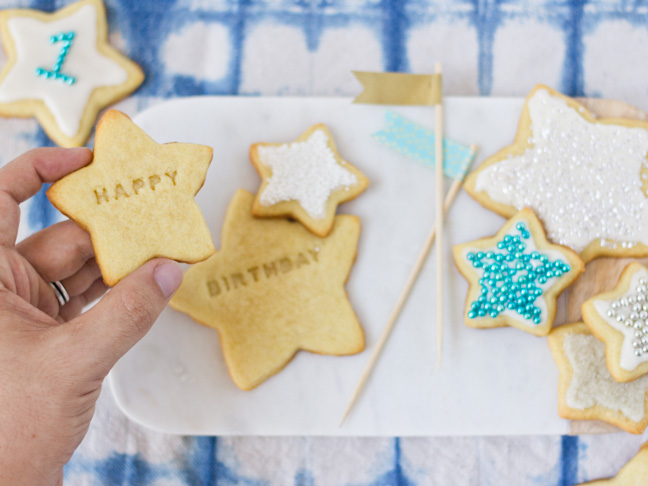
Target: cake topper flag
399,88
422,90
417,142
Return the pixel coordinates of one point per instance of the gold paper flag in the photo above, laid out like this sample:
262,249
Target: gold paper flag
399,88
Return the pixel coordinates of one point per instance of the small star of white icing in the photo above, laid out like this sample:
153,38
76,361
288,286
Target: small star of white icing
306,172
67,111
580,176
305,179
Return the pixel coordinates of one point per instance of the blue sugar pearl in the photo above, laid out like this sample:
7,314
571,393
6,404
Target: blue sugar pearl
521,247
523,292
522,279
474,305
477,264
526,235
518,255
507,238
527,316
509,258
510,306
528,308
535,255
501,245
493,313
542,280
537,320
536,311
472,314
481,313
508,280
503,298
544,259
491,282
481,299
493,300
470,256
520,226
566,268
480,254
558,273
558,264
482,281
499,258
499,276
510,248
519,265
487,306
490,254
500,308
484,291
526,258
549,274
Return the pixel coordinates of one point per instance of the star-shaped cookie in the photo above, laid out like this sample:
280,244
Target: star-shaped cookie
61,69
587,390
305,179
516,276
136,198
634,473
619,318
586,179
272,289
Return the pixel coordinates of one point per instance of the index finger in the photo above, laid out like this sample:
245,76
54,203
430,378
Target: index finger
23,177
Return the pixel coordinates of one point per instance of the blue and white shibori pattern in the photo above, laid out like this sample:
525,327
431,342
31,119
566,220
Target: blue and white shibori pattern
309,47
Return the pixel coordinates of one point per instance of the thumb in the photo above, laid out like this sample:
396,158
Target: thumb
126,313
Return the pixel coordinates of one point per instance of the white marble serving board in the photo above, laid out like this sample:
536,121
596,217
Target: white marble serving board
495,382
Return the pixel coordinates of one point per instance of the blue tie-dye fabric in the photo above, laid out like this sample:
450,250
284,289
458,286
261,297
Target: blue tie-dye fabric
309,47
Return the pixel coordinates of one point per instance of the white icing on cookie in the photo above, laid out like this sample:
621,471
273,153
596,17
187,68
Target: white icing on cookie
629,315
581,179
541,301
306,172
34,50
592,384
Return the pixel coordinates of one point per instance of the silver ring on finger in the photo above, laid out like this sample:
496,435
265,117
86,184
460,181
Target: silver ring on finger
59,291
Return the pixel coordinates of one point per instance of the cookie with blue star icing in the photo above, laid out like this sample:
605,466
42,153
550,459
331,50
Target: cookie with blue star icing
585,177
619,318
515,276
62,70
305,180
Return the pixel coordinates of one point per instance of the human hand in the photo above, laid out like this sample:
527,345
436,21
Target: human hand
53,360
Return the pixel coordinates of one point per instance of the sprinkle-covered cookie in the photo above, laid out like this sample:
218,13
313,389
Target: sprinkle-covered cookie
584,178
136,198
587,390
516,276
61,69
272,289
305,179
619,318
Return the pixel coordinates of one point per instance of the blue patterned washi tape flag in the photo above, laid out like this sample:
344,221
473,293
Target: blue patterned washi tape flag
417,142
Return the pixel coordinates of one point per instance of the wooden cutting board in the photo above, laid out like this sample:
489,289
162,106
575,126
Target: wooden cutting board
601,274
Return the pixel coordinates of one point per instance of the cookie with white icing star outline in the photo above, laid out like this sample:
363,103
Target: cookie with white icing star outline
62,70
515,276
584,177
305,179
136,198
587,390
619,318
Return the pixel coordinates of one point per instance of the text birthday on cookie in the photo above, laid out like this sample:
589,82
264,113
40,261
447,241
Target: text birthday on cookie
258,273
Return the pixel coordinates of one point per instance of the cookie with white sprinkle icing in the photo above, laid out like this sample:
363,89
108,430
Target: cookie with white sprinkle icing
619,318
305,179
516,276
587,390
62,70
584,178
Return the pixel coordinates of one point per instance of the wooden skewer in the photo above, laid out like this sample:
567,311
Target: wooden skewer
416,270
438,133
